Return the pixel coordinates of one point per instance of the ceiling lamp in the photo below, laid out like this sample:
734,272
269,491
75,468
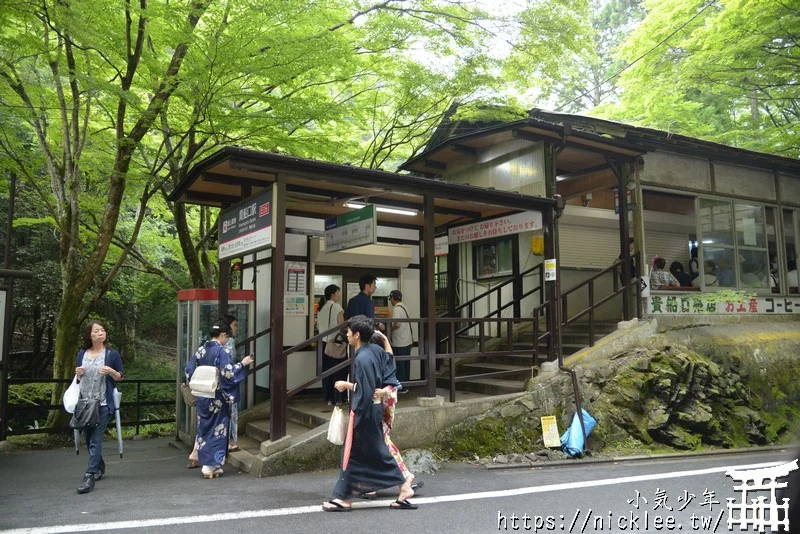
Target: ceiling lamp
384,209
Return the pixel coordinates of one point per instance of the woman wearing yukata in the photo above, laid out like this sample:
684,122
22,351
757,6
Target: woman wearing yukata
388,396
213,415
367,464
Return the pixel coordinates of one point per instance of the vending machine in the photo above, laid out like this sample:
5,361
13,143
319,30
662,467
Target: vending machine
197,311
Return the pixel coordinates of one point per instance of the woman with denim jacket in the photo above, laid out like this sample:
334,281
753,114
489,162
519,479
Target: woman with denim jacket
98,368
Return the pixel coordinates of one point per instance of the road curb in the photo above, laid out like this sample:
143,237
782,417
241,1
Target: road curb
577,462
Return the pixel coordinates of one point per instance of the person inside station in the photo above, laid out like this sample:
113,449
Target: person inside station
660,278
683,278
709,276
401,338
362,303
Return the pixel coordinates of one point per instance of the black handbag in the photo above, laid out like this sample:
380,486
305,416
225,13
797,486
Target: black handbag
87,414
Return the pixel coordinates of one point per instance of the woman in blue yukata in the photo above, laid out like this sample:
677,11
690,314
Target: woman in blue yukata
213,415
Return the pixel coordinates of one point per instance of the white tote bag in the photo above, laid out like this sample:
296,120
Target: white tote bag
71,395
204,382
337,428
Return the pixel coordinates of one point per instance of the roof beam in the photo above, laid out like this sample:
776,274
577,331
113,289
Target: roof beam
212,199
464,149
585,172
435,164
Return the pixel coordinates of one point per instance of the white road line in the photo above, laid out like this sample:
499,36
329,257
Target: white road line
213,518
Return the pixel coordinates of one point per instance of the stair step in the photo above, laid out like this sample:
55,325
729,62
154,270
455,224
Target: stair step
259,430
487,386
518,360
251,445
573,347
243,459
519,372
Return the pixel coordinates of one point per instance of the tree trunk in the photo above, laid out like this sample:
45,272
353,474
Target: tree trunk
754,113
187,246
66,348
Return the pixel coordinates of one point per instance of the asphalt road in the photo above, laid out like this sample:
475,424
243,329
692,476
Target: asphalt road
150,490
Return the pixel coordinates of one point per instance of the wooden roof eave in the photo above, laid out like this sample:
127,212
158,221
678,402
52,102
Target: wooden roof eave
331,178
528,129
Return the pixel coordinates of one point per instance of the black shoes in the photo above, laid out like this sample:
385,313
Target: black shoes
87,484
98,476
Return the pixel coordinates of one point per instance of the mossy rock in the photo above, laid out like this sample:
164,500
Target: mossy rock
489,436
658,398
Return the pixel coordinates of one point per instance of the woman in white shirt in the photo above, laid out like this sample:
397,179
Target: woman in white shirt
329,316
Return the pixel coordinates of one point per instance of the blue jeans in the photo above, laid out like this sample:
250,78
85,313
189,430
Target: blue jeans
403,368
329,393
94,442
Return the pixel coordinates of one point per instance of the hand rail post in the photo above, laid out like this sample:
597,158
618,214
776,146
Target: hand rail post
138,405
591,313
452,351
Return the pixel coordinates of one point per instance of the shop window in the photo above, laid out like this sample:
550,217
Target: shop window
734,245
493,258
791,224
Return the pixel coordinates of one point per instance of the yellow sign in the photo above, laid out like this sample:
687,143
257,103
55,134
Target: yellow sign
550,431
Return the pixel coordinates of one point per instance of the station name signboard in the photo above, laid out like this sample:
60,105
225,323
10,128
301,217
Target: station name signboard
247,227
510,224
353,229
700,304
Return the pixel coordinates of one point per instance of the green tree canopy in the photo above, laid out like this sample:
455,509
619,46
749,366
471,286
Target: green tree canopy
723,70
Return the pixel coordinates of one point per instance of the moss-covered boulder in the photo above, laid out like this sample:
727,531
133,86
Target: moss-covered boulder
655,398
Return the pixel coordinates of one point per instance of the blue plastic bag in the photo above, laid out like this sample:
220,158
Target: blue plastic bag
572,440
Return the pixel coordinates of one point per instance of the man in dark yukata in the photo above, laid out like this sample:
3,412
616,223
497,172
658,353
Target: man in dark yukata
367,464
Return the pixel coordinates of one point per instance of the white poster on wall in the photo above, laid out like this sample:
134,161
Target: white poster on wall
549,270
440,246
296,301
352,290
525,221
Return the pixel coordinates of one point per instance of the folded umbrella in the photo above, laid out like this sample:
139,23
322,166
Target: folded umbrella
117,401
76,434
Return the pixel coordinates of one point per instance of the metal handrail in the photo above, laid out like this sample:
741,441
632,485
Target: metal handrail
617,289
498,287
500,307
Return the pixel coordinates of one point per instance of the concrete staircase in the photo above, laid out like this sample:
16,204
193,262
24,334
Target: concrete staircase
575,338
255,445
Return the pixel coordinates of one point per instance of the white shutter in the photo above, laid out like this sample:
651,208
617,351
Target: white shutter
597,247
670,246
586,246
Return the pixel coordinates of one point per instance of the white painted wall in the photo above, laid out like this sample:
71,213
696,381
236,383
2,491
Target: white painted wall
301,366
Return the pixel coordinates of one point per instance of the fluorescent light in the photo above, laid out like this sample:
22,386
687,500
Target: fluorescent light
396,211
707,241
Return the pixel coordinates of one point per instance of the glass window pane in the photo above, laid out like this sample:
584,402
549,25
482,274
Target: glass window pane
504,256
790,243
750,226
716,222
494,258
754,269
487,259
719,273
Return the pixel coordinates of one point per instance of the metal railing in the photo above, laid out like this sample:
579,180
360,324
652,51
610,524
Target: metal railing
469,305
131,407
594,302
453,326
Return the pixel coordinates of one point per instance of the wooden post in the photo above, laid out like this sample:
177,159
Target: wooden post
428,276
277,372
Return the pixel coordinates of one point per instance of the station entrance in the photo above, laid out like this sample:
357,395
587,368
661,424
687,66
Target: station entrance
305,199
